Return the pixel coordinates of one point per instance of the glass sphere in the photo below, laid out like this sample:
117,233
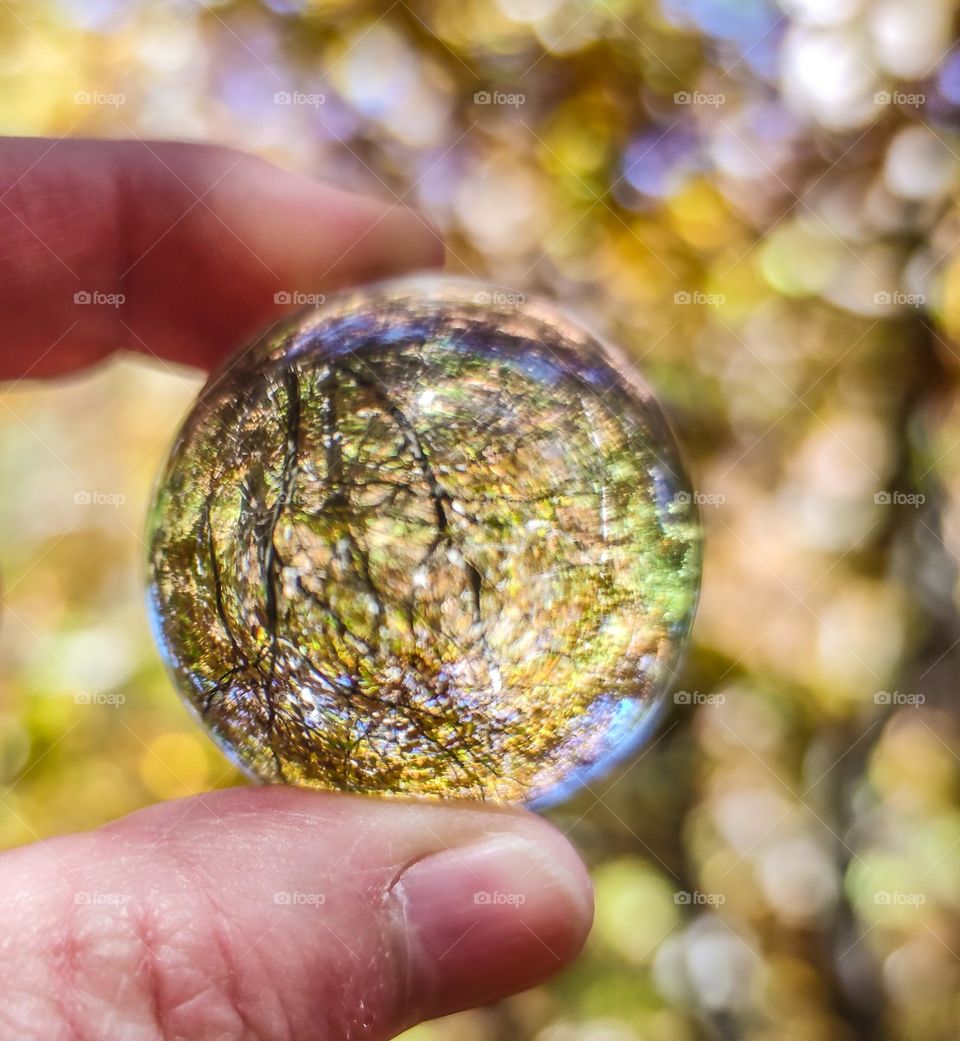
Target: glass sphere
430,538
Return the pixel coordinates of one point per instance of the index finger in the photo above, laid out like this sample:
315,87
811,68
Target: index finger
181,251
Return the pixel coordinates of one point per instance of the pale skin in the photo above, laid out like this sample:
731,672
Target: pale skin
254,913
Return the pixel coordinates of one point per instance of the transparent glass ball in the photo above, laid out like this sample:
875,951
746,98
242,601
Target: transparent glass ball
428,538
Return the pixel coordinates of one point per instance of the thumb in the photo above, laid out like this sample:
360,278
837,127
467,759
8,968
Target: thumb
283,914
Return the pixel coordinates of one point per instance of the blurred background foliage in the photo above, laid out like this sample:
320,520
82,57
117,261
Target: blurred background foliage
758,201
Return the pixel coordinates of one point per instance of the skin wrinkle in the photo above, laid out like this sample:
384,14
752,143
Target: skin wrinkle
147,969
95,944
208,954
166,967
281,1023
226,946
194,957
234,984
30,960
114,942
65,965
93,928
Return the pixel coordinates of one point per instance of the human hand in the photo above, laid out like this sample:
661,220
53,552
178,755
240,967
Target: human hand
254,913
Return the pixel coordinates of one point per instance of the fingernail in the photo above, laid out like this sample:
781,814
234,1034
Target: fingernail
492,918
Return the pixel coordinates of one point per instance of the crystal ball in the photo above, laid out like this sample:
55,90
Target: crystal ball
427,538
